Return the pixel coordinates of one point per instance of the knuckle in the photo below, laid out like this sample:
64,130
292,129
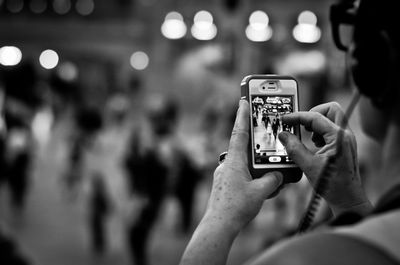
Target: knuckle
291,147
348,137
240,132
335,106
232,163
218,171
335,110
316,115
291,153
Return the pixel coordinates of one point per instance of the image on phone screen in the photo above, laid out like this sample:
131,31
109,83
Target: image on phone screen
266,124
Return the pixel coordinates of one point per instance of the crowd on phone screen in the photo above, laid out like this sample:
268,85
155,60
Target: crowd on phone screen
271,124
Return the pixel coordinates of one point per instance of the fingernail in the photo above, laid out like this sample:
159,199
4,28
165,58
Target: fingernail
283,137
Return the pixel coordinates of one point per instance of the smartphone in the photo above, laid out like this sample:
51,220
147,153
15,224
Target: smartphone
270,97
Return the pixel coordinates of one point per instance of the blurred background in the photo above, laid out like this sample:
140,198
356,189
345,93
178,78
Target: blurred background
113,114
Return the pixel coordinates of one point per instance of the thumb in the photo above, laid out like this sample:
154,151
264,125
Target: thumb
267,184
297,151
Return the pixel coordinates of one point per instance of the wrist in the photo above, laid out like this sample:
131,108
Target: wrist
224,224
361,206
211,241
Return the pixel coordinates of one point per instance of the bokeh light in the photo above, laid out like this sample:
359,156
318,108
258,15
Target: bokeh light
258,29
302,63
15,6
203,27
258,35
10,55
38,6
306,33
48,59
203,19
204,33
61,7
68,71
307,17
258,20
84,7
139,60
173,26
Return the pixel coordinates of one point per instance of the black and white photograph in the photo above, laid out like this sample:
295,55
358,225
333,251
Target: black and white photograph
217,132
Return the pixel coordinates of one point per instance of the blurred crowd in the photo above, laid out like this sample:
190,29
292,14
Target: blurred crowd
158,161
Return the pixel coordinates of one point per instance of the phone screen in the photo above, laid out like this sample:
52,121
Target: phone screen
266,124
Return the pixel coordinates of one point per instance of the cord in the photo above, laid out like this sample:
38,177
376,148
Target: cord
327,171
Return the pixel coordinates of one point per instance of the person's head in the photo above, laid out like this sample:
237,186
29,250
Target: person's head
162,112
89,120
376,53
375,59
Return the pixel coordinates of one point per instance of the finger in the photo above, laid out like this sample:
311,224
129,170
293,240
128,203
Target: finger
312,120
277,191
267,184
240,133
297,151
332,110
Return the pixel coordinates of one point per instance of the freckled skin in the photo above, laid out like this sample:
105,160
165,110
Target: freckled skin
229,207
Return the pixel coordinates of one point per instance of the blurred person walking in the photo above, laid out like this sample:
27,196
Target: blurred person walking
99,209
275,127
9,250
158,166
21,101
255,116
88,121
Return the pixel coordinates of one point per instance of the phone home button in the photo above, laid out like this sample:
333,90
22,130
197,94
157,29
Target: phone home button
274,159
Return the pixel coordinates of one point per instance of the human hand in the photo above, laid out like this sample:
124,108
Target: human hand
344,190
235,197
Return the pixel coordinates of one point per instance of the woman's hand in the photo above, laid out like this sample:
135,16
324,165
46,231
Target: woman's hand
235,197
344,189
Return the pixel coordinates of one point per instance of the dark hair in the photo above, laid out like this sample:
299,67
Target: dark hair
377,49
89,119
20,83
381,15
166,109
